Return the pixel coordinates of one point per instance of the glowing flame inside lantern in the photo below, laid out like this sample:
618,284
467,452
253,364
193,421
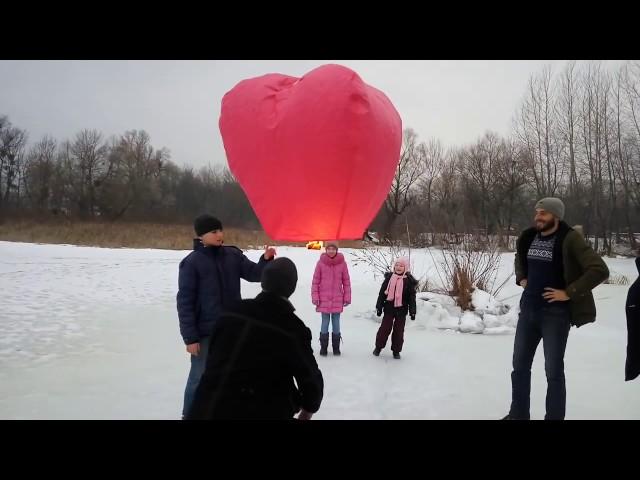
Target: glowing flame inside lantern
315,245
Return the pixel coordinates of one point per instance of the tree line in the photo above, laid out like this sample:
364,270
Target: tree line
575,134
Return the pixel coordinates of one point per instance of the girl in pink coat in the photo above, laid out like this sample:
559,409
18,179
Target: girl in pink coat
330,293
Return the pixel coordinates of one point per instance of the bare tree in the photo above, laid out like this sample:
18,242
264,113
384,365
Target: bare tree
535,127
40,170
479,169
628,139
88,168
592,119
511,178
433,165
410,170
137,166
566,114
632,89
610,217
447,194
12,144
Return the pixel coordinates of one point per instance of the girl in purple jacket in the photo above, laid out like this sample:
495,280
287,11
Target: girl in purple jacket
330,293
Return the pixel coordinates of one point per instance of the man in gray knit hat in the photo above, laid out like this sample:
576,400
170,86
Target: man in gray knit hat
558,270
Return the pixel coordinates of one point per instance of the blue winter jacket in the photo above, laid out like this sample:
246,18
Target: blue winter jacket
208,281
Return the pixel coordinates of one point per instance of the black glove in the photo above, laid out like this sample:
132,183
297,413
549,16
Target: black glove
379,313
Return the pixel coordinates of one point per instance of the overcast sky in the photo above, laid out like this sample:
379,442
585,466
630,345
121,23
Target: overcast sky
178,102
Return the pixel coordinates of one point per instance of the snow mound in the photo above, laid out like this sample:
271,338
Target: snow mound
489,315
471,322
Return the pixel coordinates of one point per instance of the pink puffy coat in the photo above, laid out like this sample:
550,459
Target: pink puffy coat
331,287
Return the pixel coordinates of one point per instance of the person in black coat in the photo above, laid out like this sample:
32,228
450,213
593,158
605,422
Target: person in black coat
632,367
258,348
397,298
208,280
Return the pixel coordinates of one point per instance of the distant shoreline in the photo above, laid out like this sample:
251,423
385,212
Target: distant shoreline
131,235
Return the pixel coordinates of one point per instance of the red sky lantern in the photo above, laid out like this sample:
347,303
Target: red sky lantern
315,155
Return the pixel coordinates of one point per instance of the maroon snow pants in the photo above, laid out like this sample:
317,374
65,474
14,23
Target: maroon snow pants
395,322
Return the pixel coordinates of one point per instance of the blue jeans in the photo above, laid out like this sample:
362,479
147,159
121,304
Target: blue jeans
335,323
551,324
198,365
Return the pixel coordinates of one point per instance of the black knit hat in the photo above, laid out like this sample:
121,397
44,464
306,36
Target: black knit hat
206,223
280,276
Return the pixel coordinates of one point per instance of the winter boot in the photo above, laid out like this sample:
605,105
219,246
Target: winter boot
512,417
324,344
396,355
335,340
376,351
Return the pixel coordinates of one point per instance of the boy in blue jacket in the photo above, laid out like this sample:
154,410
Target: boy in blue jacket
208,281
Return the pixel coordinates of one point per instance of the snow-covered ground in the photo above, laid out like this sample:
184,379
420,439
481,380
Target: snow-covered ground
92,333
